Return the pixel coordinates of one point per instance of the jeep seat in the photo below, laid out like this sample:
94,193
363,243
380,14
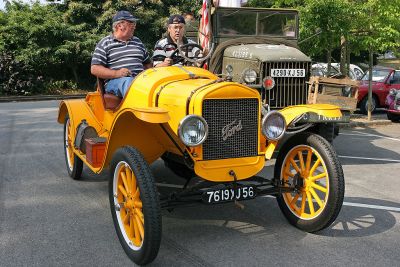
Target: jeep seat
110,101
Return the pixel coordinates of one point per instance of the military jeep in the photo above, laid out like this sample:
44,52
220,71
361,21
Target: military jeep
258,46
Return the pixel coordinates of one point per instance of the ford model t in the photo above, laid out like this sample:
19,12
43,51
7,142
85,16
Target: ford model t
207,127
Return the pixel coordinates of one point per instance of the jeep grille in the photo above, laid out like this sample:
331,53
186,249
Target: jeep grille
288,90
242,140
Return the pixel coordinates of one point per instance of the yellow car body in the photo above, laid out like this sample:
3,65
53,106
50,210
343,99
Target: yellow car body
308,180
163,97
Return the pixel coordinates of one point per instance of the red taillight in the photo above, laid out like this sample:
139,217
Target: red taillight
268,83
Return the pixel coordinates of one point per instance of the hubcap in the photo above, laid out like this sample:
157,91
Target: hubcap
305,169
128,205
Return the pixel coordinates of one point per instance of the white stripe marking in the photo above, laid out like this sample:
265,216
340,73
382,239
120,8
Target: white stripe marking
376,159
371,206
370,135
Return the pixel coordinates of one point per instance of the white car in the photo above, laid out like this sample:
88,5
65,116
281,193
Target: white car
321,69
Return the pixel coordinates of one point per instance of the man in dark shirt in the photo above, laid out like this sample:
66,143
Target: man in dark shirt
119,57
166,46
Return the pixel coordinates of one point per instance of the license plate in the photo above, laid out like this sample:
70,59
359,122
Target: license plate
229,194
288,72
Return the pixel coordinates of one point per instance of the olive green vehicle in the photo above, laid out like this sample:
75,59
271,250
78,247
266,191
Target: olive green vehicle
258,47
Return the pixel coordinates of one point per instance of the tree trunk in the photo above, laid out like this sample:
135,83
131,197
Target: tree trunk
370,83
343,53
75,73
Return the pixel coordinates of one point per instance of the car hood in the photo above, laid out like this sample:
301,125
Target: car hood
266,52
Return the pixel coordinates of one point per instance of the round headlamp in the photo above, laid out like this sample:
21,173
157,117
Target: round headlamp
193,130
273,125
250,76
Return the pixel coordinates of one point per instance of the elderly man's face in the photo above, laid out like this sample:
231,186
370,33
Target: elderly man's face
127,28
176,31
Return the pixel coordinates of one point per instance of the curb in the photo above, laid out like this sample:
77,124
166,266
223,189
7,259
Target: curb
38,98
355,123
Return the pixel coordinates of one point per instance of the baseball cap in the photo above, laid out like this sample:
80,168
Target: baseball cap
176,19
124,15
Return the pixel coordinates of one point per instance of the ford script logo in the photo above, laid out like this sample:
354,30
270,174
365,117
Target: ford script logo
231,128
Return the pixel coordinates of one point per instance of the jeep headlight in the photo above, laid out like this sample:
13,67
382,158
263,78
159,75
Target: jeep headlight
273,125
250,76
193,130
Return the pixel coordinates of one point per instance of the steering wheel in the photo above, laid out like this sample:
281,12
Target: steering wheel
179,55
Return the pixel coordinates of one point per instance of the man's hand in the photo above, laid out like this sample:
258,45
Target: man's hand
167,62
124,72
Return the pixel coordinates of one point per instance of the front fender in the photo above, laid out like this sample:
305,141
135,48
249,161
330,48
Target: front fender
315,113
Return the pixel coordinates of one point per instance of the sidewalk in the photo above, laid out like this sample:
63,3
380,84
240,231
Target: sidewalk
360,120
356,120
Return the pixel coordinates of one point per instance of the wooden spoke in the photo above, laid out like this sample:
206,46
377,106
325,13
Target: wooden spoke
294,164
315,166
310,203
294,200
316,197
128,176
140,215
121,188
138,204
137,234
126,219
319,187
125,182
132,227
308,162
140,226
319,176
303,203
300,156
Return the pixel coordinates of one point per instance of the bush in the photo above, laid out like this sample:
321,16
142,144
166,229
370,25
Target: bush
17,78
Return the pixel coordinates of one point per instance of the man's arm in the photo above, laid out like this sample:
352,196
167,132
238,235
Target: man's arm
106,73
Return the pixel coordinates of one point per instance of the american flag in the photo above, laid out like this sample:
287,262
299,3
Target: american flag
205,26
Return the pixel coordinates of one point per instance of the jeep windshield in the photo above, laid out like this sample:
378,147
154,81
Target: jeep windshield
270,23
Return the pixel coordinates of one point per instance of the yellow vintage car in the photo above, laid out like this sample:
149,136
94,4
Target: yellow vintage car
207,127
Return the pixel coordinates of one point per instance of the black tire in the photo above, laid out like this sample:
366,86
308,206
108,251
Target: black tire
74,163
310,219
143,242
392,117
364,105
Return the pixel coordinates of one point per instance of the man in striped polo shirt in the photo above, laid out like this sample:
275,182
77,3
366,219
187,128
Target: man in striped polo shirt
119,57
166,46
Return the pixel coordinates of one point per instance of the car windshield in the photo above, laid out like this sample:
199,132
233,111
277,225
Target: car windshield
378,75
260,23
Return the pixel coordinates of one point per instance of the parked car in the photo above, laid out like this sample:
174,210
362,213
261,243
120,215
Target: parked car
383,79
393,104
205,126
321,69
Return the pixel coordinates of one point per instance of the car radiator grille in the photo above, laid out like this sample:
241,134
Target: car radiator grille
288,90
233,128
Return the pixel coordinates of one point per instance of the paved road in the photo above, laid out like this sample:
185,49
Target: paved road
47,219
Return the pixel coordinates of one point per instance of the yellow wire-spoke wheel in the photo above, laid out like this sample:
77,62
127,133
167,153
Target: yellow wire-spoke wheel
74,163
305,167
128,198
135,206
308,167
